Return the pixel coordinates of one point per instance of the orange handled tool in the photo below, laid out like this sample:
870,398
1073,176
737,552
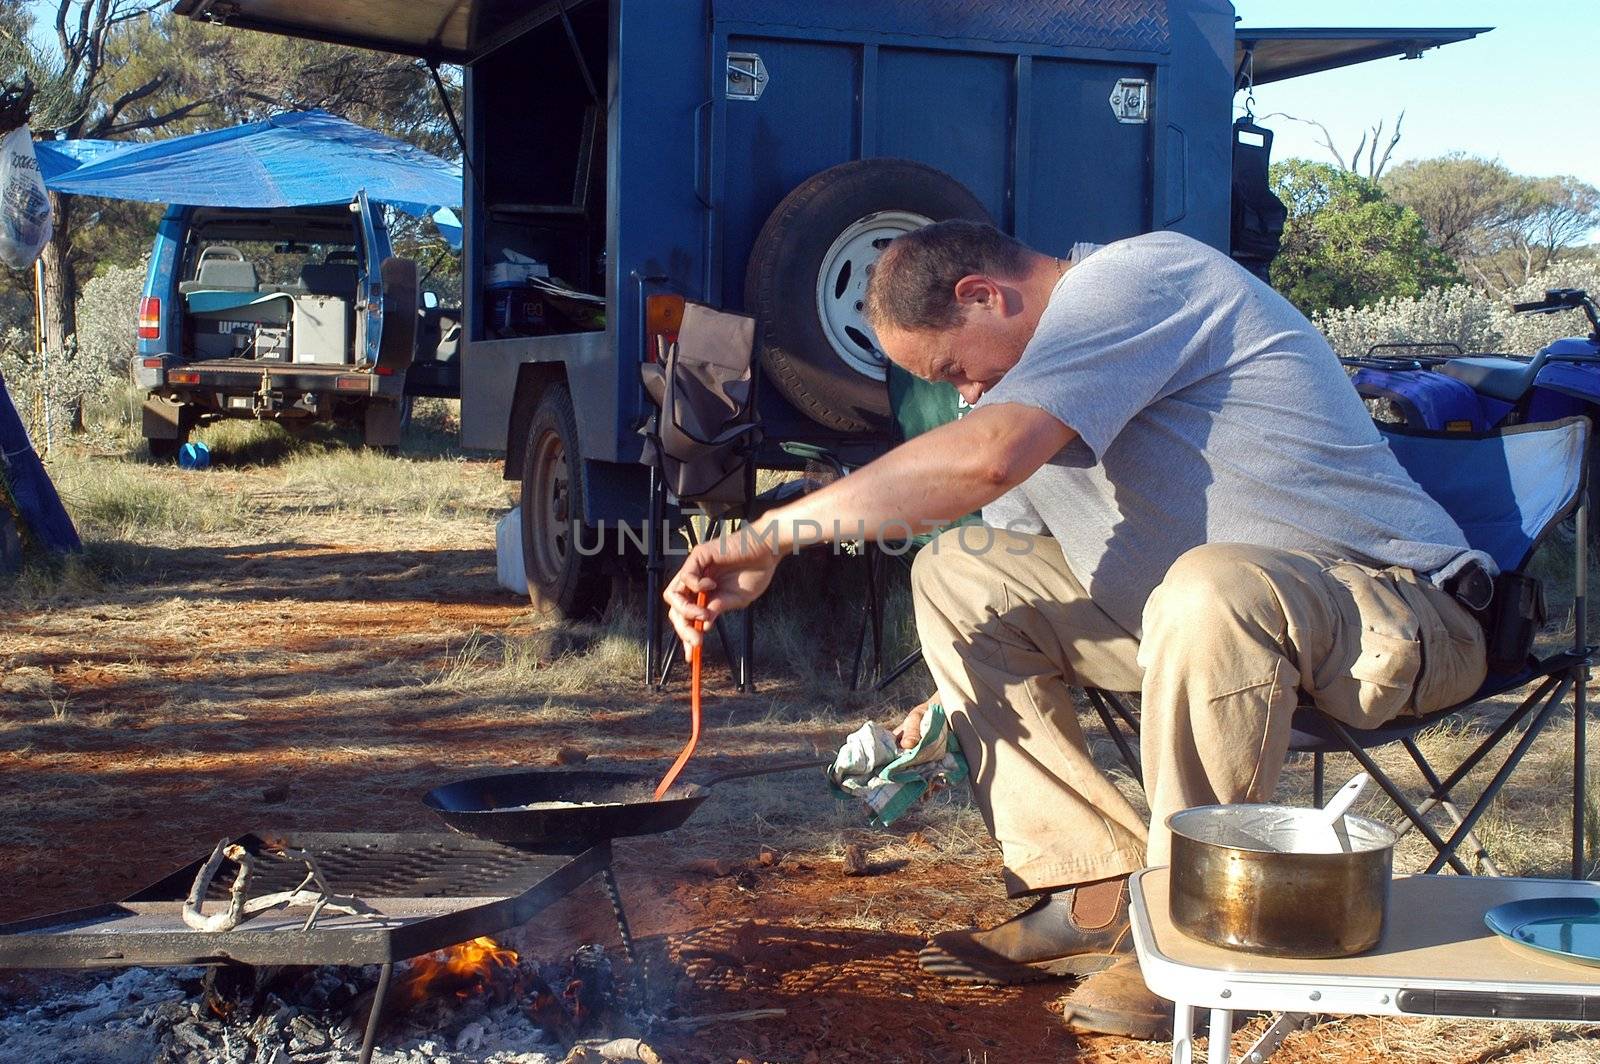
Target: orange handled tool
694,713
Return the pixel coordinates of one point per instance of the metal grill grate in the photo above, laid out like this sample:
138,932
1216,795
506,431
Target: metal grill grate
429,890
372,866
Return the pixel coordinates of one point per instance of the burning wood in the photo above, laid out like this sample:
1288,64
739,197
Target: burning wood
481,966
239,909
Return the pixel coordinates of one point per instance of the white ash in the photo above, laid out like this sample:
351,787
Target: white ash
155,1016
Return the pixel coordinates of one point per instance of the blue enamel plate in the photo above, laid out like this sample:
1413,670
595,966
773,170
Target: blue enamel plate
1568,928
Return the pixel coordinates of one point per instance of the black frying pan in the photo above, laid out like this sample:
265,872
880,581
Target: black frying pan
514,808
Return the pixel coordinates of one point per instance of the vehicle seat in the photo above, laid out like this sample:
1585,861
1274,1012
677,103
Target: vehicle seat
1507,379
329,279
222,269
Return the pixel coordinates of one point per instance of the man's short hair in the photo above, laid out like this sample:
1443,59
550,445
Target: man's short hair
913,282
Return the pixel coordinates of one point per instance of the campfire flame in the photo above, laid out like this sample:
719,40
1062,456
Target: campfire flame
465,971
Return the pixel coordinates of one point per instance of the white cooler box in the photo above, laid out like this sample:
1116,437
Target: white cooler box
508,553
321,330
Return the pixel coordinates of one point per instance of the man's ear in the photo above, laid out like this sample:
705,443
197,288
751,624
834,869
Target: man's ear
978,290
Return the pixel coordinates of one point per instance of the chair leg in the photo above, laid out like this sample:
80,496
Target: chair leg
747,659
869,622
654,566
1492,791
1439,799
1129,758
1580,692
1318,777
901,667
1396,795
875,592
1500,732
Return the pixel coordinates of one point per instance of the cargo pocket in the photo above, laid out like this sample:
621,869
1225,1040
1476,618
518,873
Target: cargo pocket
1372,674
1453,656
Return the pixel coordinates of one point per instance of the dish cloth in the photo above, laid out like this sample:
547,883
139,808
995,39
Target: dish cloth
872,767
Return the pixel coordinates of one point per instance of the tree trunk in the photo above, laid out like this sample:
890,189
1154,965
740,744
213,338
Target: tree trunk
60,278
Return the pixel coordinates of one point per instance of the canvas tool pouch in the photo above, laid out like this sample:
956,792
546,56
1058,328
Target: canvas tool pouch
705,430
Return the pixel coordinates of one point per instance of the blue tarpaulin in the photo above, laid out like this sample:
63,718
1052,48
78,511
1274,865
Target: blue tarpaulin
22,476
302,158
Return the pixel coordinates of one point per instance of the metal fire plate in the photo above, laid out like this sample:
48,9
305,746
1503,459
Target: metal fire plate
430,891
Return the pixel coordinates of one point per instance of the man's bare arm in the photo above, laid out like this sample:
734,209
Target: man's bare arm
925,483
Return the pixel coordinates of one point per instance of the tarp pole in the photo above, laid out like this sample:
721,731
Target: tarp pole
41,349
450,113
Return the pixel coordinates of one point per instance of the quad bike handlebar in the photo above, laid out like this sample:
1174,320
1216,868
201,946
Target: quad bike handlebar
1558,299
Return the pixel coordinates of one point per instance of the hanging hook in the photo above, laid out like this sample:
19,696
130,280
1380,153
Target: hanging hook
1245,80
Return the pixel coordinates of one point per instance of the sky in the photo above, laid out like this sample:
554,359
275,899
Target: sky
1527,94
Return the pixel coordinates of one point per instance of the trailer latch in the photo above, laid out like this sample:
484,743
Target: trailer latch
747,76
1130,100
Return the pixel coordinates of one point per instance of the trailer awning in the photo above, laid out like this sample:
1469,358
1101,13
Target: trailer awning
460,31
1279,54
442,31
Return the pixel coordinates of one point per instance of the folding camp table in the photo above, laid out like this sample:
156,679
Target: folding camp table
1436,958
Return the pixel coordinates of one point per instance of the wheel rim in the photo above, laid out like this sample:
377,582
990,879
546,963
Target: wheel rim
551,499
842,287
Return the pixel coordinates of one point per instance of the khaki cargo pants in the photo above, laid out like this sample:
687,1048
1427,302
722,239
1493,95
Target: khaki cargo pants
1232,638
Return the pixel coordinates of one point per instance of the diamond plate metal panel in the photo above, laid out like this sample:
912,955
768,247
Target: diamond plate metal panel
1124,25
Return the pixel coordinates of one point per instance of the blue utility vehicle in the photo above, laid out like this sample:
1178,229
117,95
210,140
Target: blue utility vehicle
293,314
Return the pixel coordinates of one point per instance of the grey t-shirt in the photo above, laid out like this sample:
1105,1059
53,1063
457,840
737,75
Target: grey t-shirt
1208,410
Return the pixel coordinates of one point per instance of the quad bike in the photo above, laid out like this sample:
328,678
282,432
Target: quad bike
1457,392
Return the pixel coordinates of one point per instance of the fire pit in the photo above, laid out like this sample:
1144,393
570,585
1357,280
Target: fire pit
425,892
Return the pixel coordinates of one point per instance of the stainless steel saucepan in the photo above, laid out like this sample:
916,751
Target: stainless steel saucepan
1280,880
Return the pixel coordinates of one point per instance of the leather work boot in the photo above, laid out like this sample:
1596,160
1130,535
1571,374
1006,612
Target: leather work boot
1074,932
1116,1001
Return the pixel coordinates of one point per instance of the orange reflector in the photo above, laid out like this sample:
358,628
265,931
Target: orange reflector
663,315
351,384
152,363
183,376
149,318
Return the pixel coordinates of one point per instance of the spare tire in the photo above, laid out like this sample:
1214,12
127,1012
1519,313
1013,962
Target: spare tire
807,279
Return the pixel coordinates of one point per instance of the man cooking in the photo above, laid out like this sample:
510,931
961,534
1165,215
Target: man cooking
1195,507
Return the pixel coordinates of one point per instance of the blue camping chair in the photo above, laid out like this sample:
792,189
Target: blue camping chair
1507,490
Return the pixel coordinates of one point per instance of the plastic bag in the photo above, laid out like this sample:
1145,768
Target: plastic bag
24,204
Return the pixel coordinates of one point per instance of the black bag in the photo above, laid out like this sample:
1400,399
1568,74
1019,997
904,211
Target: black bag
1513,619
1258,214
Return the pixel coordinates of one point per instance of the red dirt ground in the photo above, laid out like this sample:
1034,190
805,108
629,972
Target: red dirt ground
286,685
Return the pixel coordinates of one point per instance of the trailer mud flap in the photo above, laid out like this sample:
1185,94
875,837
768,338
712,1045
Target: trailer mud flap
165,420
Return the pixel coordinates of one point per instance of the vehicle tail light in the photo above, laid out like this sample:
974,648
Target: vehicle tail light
152,363
149,318
183,376
663,317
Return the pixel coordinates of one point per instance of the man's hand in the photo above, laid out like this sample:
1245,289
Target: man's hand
733,571
909,733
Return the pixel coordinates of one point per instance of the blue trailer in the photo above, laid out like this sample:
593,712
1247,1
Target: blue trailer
757,154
